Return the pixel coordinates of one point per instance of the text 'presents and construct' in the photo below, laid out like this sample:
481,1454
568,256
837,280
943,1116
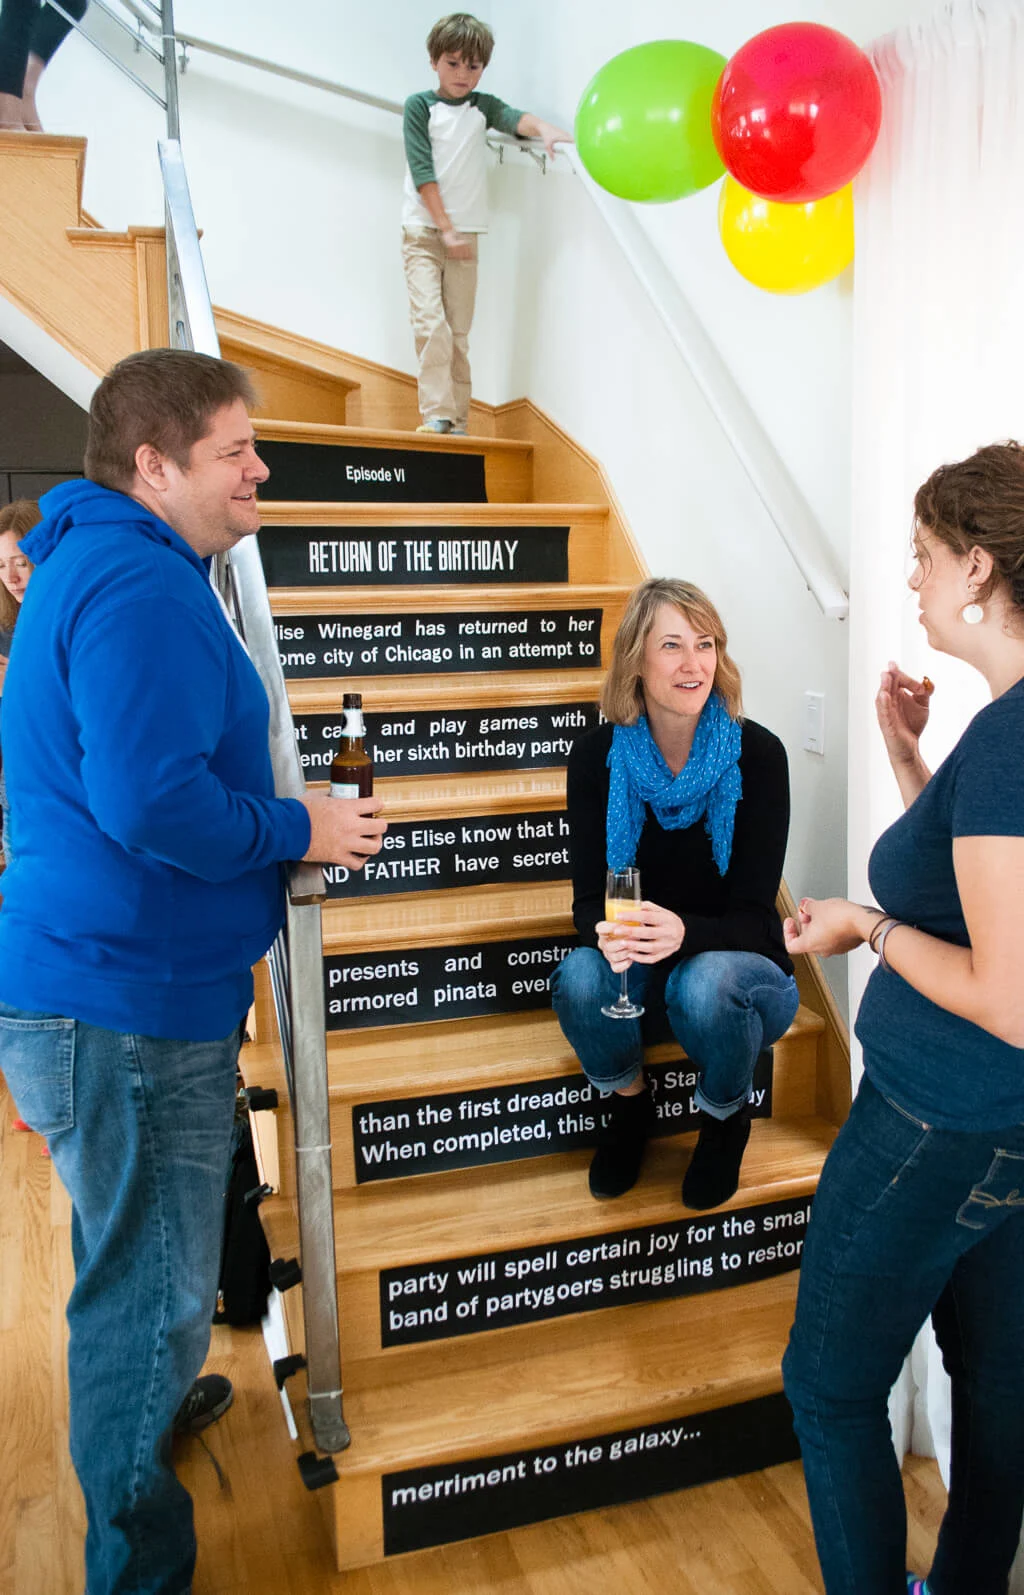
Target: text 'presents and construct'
452,982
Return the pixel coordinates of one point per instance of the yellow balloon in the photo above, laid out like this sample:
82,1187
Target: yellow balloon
786,249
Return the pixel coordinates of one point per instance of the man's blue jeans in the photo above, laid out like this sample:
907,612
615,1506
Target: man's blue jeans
140,1131
910,1220
723,1009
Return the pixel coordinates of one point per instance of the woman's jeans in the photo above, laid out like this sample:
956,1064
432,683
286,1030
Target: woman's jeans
723,1009
909,1221
140,1133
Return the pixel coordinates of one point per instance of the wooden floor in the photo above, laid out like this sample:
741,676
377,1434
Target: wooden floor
262,1534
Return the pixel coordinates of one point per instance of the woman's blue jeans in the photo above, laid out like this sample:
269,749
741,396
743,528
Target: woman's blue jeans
140,1133
907,1221
723,1007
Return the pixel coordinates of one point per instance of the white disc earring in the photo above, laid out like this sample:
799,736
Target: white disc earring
972,614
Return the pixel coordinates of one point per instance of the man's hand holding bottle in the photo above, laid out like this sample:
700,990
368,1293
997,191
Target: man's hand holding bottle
343,830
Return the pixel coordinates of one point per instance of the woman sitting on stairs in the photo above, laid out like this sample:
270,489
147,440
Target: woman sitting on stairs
680,785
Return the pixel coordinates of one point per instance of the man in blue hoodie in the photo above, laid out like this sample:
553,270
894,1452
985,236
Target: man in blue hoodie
147,881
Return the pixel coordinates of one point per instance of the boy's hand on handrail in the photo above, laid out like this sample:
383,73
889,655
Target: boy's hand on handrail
530,126
343,830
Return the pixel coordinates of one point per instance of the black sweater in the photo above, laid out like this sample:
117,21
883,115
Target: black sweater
733,913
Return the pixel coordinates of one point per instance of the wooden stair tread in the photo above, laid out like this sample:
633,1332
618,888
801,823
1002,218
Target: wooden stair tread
410,797
42,144
294,347
490,913
530,1203
404,694
239,348
376,512
583,1381
465,1054
496,1050
372,600
386,437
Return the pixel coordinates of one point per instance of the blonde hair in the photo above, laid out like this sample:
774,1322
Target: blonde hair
622,700
19,518
460,34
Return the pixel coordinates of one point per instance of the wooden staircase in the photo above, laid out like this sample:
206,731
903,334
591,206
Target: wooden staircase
512,1350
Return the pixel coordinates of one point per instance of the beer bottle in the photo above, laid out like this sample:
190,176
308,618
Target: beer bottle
352,767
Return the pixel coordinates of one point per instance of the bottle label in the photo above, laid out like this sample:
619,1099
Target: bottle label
346,789
352,723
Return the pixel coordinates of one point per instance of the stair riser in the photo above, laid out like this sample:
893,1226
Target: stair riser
470,1129
431,641
402,474
790,1095
599,1267
432,984
347,550
471,1496
461,740
473,849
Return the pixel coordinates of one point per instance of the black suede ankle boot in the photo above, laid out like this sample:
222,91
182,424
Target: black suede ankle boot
620,1144
714,1171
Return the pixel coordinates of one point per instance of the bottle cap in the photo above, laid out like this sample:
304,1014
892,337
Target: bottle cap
352,700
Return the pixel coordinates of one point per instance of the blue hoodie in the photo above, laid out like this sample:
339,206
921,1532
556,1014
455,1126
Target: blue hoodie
148,842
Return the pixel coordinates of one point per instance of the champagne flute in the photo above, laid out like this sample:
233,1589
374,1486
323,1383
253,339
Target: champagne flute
622,905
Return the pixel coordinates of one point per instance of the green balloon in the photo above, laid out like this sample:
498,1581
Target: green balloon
643,128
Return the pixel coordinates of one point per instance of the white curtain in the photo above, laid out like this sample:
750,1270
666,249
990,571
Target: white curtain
938,371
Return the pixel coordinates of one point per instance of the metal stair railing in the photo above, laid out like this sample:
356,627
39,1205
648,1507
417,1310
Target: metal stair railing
296,959
774,484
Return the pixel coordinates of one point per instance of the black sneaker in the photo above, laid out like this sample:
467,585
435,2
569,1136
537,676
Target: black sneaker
620,1144
208,1400
714,1172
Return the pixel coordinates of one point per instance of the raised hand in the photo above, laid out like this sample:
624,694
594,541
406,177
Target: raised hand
902,708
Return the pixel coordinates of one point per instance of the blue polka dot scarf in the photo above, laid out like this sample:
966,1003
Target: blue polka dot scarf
708,785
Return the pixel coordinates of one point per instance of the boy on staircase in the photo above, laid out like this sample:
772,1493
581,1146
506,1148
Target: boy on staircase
445,208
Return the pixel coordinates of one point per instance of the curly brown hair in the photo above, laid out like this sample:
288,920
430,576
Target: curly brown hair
18,517
622,700
979,503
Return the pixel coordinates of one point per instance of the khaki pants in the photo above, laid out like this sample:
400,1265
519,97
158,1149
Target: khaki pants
442,293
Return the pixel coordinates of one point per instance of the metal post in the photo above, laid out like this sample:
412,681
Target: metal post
170,68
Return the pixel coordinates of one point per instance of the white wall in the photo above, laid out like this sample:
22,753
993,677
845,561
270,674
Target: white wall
299,196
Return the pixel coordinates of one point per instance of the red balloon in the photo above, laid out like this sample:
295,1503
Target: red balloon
796,112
